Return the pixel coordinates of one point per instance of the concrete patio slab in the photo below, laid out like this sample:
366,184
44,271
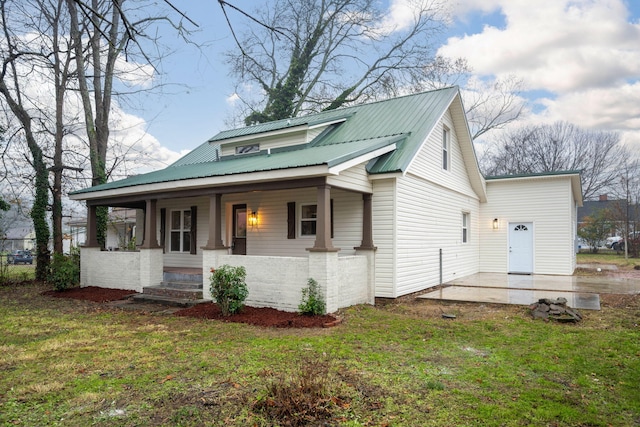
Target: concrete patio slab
580,292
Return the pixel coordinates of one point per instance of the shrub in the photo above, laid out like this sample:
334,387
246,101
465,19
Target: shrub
312,301
65,271
228,288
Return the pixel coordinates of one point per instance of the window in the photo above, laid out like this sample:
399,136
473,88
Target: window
246,149
465,227
308,217
180,231
445,148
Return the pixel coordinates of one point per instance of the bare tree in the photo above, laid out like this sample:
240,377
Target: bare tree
561,146
321,54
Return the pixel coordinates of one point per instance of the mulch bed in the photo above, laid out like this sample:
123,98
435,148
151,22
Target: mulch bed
267,317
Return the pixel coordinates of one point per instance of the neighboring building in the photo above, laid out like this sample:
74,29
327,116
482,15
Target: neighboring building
121,231
18,238
619,211
375,200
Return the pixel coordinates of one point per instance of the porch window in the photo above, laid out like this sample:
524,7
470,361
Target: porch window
445,148
465,227
308,217
180,231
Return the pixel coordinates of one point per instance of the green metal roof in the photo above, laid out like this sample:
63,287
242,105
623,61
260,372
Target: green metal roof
405,121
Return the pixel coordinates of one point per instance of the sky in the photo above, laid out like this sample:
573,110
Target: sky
579,61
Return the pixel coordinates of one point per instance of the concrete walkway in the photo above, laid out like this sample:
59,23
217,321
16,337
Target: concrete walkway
580,292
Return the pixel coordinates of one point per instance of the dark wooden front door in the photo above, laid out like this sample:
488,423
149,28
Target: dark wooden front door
239,246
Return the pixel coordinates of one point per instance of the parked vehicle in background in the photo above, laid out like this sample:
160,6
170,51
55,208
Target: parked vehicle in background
20,257
612,241
634,243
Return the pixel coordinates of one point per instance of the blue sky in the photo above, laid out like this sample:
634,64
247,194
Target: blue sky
578,59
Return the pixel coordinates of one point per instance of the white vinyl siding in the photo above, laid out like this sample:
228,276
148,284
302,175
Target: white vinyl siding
548,203
269,236
428,162
354,178
429,221
383,204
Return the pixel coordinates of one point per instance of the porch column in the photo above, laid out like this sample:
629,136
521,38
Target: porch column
92,228
323,221
367,224
150,225
215,228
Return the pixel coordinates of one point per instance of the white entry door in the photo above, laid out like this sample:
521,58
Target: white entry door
521,247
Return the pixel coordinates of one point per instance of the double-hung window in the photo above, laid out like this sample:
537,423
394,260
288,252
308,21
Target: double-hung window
308,220
465,227
180,231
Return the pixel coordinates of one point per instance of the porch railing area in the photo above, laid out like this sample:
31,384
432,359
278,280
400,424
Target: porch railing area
275,282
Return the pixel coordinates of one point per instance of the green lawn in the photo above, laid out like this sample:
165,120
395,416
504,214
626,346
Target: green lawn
71,363
607,257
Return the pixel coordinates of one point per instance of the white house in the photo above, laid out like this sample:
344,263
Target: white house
375,200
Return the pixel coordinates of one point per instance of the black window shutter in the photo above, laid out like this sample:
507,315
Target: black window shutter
331,216
291,220
194,229
163,228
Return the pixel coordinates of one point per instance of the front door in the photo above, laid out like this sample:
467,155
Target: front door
521,247
239,238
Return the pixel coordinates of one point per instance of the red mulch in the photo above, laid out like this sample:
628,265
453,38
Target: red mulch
268,317
91,293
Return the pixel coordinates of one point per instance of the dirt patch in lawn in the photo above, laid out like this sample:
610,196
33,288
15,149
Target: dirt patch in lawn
91,293
267,317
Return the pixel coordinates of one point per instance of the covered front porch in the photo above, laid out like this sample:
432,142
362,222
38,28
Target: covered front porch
274,237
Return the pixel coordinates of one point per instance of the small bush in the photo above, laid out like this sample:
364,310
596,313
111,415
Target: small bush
65,272
228,288
312,301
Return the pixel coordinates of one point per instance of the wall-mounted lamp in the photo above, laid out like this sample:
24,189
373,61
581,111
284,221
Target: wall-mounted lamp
495,223
253,218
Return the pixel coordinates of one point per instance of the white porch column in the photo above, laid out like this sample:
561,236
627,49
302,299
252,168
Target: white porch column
370,254
88,257
323,268
151,267
210,259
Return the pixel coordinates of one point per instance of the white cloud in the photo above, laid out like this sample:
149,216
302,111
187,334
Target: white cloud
402,14
556,45
583,54
233,98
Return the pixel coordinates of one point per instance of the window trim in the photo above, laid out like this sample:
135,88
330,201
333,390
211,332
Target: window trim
466,218
247,149
446,148
302,219
182,230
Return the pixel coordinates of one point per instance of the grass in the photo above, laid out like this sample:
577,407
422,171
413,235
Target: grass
607,257
16,273
65,362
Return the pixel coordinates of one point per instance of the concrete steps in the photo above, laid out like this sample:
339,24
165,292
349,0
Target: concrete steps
178,288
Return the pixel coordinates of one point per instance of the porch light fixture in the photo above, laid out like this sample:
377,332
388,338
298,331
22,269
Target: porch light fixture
495,223
253,218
